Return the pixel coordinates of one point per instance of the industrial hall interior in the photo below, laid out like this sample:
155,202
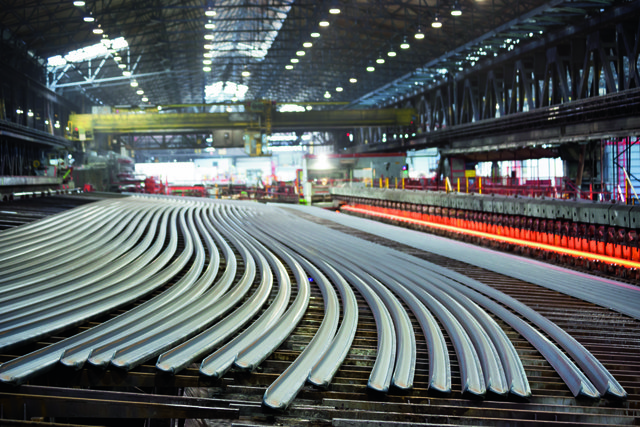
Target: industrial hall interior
346,213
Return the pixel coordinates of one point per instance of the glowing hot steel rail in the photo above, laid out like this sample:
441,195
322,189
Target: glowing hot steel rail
498,237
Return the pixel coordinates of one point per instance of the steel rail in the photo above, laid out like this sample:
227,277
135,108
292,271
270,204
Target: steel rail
404,338
191,286
571,374
128,284
48,303
573,377
439,368
55,247
181,356
514,371
51,222
601,378
284,389
56,279
516,378
25,367
326,367
329,362
597,290
56,238
382,370
156,339
87,250
486,351
218,363
404,369
383,367
492,368
472,366
598,374
250,357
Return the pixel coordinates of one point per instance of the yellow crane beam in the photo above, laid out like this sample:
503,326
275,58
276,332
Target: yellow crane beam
158,122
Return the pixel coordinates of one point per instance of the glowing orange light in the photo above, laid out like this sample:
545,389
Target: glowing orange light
526,243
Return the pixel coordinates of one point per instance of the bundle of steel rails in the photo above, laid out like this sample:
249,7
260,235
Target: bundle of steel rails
181,296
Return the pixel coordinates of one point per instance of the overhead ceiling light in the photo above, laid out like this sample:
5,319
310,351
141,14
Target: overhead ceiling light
78,3
206,62
371,68
339,89
210,13
380,60
208,46
134,83
455,9
327,95
139,91
289,67
89,19
294,60
122,66
209,26
436,22
145,99
419,35
301,53
246,73
307,44
323,23
98,31
353,80
315,35
404,44
126,73
207,69
117,58
208,55
391,53
208,36
334,11
309,107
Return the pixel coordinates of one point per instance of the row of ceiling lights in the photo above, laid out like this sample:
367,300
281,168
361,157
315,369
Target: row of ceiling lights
324,23
117,58
209,13
419,35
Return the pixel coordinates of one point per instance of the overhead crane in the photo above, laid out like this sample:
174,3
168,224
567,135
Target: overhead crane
264,121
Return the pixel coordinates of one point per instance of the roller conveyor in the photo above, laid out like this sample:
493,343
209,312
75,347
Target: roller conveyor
251,317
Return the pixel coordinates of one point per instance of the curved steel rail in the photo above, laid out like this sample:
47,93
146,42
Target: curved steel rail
383,371
125,285
41,285
193,284
129,352
328,363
